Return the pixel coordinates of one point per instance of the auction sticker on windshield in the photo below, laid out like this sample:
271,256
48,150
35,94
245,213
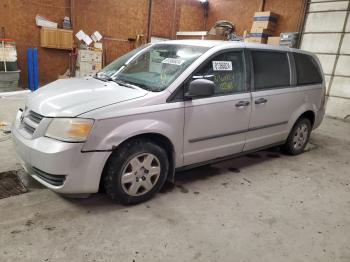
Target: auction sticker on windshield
222,65
173,61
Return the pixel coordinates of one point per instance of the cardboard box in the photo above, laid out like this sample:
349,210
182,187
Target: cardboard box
264,20
89,56
256,40
273,40
261,31
266,15
263,25
89,62
88,68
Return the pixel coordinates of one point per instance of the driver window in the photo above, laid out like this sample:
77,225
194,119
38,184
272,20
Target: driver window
226,71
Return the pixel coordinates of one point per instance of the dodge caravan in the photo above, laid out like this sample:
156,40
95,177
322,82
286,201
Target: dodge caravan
166,107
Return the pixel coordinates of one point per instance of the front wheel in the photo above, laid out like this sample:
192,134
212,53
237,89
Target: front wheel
298,137
136,171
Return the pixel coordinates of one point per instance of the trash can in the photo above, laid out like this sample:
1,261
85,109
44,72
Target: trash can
9,79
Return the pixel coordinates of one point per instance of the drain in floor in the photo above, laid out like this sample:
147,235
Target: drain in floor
11,185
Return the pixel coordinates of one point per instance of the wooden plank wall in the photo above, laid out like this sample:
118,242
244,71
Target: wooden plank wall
18,19
176,15
127,19
241,13
118,19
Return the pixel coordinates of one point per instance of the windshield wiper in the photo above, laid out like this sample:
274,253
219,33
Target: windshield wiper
123,83
98,78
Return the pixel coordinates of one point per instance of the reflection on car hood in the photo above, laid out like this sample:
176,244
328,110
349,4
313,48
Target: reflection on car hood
75,96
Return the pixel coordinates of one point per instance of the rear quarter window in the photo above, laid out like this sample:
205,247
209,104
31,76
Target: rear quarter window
308,71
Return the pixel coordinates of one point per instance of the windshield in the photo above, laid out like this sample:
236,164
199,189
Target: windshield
152,67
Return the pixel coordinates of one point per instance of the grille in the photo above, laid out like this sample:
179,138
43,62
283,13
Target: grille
29,128
55,180
36,118
31,121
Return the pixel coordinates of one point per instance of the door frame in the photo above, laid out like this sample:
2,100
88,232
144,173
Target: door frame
177,96
291,62
179,93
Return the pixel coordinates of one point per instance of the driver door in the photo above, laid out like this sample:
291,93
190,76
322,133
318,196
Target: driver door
216,126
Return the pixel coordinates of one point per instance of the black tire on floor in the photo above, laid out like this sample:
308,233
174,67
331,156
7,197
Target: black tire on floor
117,162
289,147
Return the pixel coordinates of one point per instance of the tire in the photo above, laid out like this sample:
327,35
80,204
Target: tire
298,137
136,172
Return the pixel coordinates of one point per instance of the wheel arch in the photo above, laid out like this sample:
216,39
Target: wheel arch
307,111
310,115
157,138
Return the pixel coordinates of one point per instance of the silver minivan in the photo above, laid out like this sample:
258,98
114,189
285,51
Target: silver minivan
166,107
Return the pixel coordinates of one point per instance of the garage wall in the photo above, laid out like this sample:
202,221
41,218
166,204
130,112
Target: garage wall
18,19
119,20
327,33
241,13
115,19
170,16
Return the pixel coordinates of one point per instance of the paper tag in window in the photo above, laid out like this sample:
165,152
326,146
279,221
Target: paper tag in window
222,65
173,61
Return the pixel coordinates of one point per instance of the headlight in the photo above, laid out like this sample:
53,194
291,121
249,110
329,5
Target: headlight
69,129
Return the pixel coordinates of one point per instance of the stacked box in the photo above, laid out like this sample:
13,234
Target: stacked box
265,20
264,24
256,40
289,39
259,35
273,40
89,62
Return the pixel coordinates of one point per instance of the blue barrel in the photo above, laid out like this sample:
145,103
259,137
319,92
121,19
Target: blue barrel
30,69
35,69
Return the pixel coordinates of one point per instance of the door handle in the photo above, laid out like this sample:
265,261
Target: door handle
260,101
242,103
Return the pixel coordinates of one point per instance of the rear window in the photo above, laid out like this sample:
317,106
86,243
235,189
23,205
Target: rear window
307,70
271,70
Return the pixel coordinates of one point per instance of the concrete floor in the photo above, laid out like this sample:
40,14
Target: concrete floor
8,110
261,207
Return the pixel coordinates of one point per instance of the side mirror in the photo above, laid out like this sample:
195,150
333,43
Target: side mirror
200,88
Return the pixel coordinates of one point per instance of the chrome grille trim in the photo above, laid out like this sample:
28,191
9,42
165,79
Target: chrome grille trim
29,128
35,117
31,122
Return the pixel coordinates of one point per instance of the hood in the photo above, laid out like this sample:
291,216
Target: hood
75,96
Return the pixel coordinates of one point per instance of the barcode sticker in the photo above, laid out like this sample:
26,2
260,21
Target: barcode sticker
173,61
222,65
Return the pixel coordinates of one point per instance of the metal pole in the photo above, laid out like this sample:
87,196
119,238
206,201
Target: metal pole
3,54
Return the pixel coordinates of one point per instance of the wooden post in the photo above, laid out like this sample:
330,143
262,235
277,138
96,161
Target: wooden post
262,6
149,21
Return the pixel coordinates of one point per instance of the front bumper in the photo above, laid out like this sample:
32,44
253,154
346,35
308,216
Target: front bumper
48,160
